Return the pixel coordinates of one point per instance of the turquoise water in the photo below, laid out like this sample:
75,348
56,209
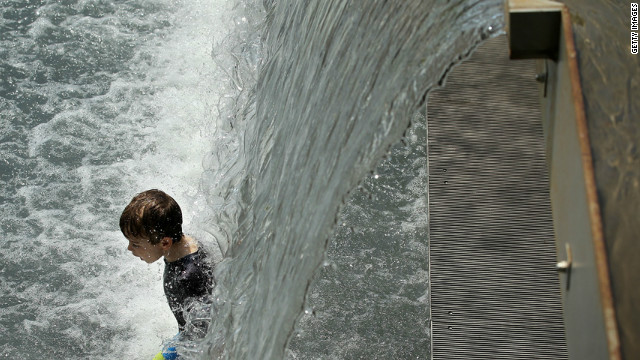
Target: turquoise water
260,118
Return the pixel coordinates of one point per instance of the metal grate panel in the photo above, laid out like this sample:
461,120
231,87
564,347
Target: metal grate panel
494,288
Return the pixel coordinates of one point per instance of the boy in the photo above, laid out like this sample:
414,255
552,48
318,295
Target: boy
152,222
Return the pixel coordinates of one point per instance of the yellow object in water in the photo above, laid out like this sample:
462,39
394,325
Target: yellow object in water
158,356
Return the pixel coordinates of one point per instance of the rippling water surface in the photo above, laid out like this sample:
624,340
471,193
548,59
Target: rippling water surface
260,118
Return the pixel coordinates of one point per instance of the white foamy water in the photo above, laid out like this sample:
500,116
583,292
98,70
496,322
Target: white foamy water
100,101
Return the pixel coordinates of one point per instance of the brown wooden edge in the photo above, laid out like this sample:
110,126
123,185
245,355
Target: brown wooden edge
599,246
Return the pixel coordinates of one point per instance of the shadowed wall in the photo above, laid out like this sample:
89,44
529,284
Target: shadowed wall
610,77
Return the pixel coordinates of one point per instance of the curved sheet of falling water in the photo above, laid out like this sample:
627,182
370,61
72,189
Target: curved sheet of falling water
340,83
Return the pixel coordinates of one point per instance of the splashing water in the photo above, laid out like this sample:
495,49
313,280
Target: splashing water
99,101
259,118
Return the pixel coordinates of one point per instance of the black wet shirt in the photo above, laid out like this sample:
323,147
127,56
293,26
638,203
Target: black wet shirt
187,279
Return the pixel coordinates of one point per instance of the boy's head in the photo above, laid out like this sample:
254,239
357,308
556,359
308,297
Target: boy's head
152,216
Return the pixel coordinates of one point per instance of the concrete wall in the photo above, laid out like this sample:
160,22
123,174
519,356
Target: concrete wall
610,77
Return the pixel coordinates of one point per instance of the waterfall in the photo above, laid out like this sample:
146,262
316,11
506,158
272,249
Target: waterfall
263,120
339,84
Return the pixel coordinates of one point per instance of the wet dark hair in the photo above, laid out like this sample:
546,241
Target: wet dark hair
152,215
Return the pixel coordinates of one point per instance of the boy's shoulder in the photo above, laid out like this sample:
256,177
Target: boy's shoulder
189,276
199,258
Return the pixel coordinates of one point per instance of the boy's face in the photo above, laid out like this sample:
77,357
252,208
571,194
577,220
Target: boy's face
146,251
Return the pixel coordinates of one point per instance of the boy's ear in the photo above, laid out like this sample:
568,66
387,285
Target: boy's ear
166,242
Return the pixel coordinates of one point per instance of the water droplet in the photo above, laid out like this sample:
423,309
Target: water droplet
330,264
450,327
450,312
444,170
446,182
